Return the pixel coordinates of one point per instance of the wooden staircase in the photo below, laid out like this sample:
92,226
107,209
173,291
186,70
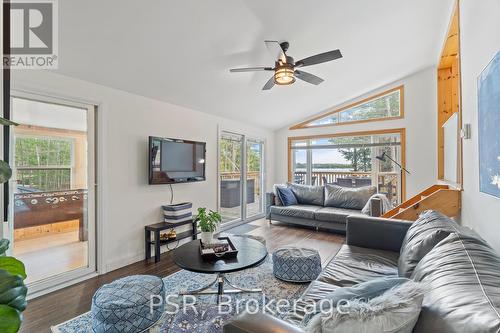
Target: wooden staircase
441,198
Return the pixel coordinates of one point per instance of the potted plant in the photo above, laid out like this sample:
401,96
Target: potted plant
208,224
12,289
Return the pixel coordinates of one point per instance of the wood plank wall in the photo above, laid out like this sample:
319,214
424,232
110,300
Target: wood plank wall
448,78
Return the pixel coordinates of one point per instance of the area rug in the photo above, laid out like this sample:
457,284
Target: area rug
206,316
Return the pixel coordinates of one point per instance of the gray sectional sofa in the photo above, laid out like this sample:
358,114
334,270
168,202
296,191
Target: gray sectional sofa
460,273
323,207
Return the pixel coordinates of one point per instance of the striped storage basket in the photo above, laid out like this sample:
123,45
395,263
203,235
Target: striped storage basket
178,212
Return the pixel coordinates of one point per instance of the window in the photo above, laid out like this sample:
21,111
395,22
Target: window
386,105
349,160
43,163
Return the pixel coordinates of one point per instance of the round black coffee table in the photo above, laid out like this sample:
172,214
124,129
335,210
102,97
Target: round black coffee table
250,253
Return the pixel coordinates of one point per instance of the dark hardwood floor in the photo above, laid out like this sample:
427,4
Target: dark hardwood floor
59,306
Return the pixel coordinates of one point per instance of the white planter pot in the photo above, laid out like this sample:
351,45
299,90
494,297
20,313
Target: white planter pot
207,237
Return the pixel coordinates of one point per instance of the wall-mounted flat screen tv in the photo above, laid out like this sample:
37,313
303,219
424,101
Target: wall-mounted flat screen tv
174,161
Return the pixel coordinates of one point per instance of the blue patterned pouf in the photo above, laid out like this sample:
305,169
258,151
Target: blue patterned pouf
124,304
295,264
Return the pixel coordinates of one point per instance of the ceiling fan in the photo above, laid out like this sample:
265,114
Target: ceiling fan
286,69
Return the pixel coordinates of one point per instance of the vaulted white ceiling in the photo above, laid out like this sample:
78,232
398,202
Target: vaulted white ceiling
180,51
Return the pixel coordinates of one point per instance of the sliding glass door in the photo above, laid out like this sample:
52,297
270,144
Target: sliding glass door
52,200
241,177
231,176
255,172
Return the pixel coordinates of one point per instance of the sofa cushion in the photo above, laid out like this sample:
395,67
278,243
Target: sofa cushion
300,211
345,197
308,194
350,266
332,214
353,265
286,196
429,229
462,273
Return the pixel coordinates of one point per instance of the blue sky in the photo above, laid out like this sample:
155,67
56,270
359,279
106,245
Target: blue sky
322,156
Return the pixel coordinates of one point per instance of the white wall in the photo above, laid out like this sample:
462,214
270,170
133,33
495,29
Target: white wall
480,41
420,122
125,122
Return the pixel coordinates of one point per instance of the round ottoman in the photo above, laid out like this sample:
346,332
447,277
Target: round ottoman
124,304
296,264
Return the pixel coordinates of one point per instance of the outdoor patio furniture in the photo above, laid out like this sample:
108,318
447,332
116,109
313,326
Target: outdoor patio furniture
230,192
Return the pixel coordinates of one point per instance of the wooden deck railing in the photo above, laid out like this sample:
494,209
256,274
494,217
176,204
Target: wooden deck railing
318,177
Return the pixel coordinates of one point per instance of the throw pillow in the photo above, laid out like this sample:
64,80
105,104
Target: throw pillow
365,290
308,194
426,232
386,204
346,197
286,196
396,311
277,201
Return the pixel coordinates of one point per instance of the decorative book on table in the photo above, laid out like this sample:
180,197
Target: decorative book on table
178,212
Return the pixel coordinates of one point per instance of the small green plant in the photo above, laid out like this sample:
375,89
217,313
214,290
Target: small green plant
12,291
208,221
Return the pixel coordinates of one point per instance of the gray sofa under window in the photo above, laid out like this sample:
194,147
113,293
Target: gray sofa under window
323,207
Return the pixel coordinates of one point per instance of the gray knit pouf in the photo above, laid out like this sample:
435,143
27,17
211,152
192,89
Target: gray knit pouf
124,304
296,264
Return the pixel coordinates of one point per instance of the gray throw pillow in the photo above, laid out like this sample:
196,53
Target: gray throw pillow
308,194
365,290
346,197
426,232
396,311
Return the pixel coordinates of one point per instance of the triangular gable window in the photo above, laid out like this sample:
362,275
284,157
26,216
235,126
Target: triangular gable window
383,106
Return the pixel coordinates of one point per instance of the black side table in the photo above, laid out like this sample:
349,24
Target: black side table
157,243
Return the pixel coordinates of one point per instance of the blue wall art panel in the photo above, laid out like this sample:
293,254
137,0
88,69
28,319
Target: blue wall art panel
489,128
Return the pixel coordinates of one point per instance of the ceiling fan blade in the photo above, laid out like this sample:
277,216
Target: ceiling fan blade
269,84
319,58
308,77
274,47
250,69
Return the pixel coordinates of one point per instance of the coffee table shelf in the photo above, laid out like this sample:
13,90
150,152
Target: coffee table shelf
157,228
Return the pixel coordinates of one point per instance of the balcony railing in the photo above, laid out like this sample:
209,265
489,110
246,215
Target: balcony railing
330,177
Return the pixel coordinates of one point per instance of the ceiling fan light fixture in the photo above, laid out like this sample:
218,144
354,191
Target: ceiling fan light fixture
284,75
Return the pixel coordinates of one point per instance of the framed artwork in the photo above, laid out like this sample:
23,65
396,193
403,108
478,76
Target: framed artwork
489,127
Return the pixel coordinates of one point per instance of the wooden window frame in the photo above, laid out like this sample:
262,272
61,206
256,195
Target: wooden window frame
303,125
400,131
